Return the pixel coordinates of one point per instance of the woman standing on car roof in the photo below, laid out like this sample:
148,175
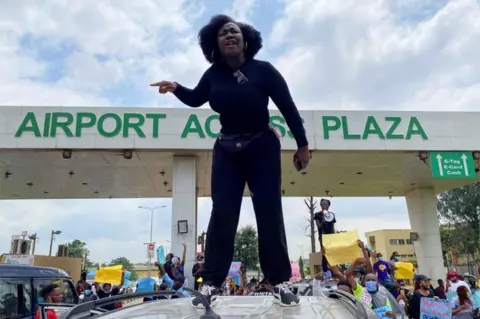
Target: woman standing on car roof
247,151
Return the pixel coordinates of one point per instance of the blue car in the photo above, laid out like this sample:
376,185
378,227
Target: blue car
20,286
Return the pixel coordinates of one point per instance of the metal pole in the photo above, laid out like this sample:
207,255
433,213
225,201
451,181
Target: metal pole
151,240
34,237
51,244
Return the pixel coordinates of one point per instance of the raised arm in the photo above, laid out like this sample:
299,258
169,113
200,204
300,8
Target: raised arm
184,254
196,97
193,98
280,94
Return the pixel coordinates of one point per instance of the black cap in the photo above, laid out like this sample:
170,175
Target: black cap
360,270
422,278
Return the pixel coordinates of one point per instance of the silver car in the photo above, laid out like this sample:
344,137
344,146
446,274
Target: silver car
333,305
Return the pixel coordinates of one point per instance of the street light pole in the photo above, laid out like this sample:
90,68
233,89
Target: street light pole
52,237
151,209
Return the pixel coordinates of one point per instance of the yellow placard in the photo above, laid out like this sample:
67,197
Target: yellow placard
342,247
112,275
404,270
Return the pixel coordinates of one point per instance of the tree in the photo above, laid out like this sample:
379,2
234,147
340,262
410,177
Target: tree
127,265
310,228
302,267
246,247
459,208
77,249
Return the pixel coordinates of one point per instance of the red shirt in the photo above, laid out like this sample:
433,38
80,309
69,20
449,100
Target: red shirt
50,314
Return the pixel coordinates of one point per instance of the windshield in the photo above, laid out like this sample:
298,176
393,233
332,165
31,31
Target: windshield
15,298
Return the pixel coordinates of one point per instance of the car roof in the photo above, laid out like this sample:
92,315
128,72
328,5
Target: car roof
251,307
26,271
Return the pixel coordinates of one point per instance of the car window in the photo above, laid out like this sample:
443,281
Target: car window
14,298
64,284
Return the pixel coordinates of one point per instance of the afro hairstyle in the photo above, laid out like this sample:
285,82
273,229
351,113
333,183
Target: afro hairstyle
208,38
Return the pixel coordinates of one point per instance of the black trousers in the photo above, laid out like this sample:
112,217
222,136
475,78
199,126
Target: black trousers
259,166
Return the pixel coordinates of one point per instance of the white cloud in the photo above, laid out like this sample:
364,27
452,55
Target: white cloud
371,54
362,55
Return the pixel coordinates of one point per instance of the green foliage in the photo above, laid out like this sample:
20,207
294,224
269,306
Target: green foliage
459,215
77,249
127,265
302,267
246,247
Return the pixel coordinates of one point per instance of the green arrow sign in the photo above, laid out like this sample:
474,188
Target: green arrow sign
452,165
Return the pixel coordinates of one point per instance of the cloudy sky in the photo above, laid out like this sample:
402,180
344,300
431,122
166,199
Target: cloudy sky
370,54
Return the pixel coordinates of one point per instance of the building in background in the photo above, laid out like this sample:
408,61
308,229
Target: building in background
387,241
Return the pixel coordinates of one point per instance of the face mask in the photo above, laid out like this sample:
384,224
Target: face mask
371,286
380,258
87,292
357,279
397,258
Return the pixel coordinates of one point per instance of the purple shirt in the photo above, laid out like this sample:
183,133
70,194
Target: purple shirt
382,268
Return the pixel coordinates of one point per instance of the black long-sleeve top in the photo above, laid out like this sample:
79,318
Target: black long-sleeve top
243,108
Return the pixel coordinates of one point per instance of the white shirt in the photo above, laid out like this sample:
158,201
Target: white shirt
454,285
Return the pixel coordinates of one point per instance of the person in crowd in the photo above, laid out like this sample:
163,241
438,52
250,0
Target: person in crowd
454,282
146,284
440,290
175,284
51,293
106,291
394,258
197,270
422,291
87,294
247,151
79,287
325,220
379,300
382,269
462,305
169,265
178,265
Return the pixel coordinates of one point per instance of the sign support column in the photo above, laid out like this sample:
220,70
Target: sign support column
422,211
184,212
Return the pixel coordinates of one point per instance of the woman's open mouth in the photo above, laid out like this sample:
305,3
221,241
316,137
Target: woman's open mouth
230,44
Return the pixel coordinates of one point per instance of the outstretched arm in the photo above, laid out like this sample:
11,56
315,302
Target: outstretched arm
199,95
280,94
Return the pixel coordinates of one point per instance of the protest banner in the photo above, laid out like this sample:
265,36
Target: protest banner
296,277
404,270
234,272
339,248
112,275
431,308
381,312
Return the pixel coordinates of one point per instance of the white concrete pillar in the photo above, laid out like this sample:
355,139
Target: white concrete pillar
422,210
184,207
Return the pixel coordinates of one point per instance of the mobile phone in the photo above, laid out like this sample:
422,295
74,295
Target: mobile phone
298,165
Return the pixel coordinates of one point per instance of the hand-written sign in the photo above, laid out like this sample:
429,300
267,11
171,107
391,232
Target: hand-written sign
435,309
382,312
234,272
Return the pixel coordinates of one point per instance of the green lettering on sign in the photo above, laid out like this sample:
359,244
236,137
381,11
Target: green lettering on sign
373,128
61,120
208,125
29,124
452,165
91,120
73,125
330,123
193,126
